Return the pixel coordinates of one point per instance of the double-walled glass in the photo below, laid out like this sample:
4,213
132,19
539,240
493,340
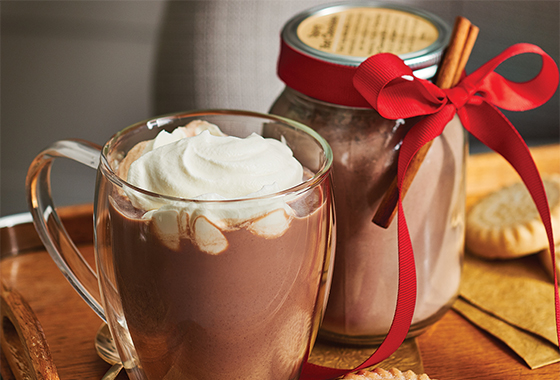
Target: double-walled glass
184,297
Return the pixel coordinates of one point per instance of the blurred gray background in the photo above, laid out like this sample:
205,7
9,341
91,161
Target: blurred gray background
86,69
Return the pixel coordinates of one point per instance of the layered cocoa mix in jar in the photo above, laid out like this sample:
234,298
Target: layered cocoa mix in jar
321,49
231,284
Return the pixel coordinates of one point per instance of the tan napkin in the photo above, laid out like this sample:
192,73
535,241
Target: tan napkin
514,301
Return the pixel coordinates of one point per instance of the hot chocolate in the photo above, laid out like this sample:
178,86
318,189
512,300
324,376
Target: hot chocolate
227,281
210,295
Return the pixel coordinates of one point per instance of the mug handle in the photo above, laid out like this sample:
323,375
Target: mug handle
47,222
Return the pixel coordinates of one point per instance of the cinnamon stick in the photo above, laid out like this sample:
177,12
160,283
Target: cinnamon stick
452,57
454,61
467,49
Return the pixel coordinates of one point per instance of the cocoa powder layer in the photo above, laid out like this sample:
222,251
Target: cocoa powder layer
365,282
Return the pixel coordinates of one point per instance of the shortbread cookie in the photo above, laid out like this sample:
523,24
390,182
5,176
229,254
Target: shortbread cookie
506,224
381,374
546,261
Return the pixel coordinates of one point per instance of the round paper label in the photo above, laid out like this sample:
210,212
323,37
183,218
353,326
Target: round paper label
362,32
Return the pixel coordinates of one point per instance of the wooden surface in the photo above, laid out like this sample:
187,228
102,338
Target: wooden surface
451,349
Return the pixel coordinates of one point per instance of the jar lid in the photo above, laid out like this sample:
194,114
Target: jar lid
327,43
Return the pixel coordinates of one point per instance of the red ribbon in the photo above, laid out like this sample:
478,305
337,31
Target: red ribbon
306,74
389,86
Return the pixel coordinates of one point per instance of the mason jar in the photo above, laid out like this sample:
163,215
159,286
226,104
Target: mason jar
366,147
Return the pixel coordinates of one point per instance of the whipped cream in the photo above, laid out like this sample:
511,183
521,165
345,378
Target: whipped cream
206,166
199,162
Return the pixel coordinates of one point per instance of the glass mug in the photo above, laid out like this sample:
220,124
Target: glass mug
176,308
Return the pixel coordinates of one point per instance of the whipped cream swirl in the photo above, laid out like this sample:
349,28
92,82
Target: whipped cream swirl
209,166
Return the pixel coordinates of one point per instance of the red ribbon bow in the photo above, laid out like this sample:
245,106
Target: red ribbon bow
390,87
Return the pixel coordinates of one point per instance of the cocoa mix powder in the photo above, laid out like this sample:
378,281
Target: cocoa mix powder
365,146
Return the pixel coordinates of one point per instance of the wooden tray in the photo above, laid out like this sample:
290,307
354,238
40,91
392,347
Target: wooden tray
451,349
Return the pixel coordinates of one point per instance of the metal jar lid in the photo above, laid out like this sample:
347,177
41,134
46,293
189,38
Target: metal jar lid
346,33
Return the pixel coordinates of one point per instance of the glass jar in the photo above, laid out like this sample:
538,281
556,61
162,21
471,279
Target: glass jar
366,147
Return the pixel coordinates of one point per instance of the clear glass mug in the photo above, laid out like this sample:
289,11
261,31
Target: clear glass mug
177,306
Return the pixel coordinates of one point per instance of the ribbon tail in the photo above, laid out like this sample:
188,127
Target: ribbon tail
312,371
504,139
404,311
